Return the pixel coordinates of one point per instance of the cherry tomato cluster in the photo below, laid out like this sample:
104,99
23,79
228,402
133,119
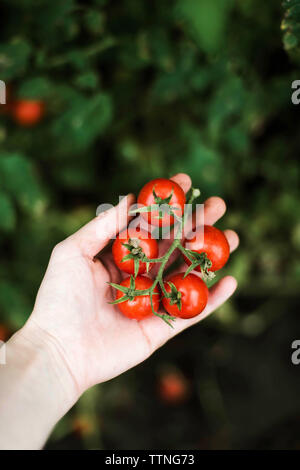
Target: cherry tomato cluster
161,203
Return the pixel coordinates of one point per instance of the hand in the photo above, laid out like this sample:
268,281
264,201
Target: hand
91,338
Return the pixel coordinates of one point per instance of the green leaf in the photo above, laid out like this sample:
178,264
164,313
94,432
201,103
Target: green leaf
77,176
205,21
18,177
14,57
36,88
289,3
291,27
200,159
87,80
77,58
94,21
54,24
293,12
7,213
83,121
290,41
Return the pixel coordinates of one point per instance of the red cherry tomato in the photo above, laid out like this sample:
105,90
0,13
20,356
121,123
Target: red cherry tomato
212,242
172,387
28,112
140,307
193,295
167,192
141,243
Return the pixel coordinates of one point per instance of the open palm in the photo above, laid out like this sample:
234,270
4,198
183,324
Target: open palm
94,340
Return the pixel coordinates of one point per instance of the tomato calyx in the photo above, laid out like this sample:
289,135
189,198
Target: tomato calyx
130,292
162,210
162,206
175,296
202,260
159,200
136,253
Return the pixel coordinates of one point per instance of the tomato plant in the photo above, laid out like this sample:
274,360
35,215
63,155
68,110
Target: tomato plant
27,112
212,245
166,194
130,248
188,295
137,307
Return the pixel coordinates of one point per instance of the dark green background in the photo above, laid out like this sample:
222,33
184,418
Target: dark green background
138,89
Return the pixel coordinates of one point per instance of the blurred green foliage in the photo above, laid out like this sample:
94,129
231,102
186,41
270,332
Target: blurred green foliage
291,26
137,89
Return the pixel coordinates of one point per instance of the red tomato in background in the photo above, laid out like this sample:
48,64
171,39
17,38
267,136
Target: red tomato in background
28,112
194,295
214,243
4,333
173,387
140,307
142,240
83,426
163,189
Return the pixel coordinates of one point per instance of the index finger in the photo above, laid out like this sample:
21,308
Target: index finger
183,180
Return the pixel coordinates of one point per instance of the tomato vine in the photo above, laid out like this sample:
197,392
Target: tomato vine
197,260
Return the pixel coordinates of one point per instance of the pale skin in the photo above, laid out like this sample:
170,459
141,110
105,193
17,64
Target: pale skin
74,338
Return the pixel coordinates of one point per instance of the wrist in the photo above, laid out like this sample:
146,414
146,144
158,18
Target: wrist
36,388
44,354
